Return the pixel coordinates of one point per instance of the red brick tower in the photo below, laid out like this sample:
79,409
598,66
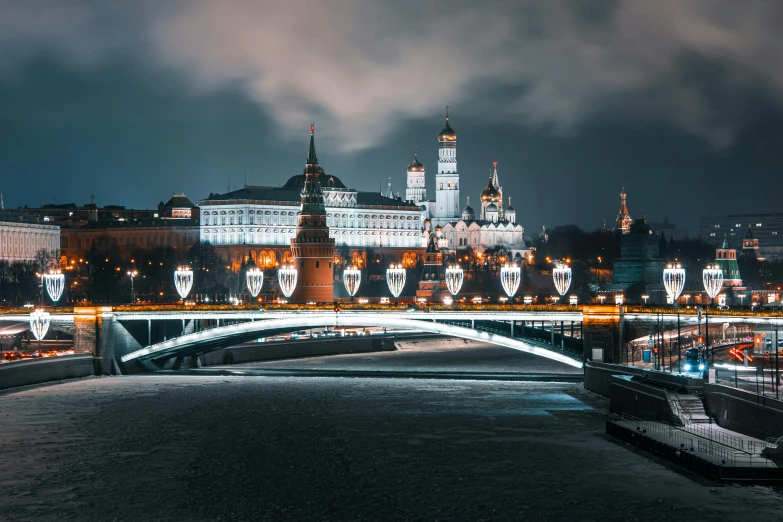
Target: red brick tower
312,248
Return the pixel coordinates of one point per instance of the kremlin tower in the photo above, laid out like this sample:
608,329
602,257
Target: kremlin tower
446,179
623,222
312,248
415,190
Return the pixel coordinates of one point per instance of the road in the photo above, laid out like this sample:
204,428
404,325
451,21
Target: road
197,448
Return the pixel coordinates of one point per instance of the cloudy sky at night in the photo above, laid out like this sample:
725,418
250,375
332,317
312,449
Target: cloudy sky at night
681,101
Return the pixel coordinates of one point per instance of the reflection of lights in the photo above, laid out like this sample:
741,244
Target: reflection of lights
712,277
447,300
562,276
183,280
55,282
674,281
286,276
352,278
255,280
454,279
510,276
39,323
395,279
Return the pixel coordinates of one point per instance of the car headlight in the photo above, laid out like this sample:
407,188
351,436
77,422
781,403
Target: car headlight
701,367
687,367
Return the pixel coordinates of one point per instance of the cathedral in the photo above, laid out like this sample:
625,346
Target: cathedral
494,227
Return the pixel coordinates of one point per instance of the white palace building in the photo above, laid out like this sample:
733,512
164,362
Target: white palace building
259,222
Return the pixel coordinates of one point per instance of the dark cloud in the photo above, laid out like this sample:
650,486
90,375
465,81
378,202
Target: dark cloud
663,96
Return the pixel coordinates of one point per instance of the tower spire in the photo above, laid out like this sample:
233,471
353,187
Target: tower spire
312,158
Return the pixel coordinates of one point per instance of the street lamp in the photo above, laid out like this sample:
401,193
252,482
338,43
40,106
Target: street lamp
510,277
286,276
352,278
572,299
183,280
712,277
395,280
255,280
454,279
562,276
674,281
55,283
618,299
39,324
686,296
645,297
132,274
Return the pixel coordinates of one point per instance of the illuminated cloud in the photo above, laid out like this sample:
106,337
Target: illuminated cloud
361,68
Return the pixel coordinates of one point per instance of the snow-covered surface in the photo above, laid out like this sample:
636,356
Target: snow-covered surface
198,448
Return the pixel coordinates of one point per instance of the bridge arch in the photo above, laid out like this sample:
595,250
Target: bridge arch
206,340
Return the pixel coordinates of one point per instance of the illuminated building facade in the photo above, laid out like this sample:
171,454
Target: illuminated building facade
623,221
22,236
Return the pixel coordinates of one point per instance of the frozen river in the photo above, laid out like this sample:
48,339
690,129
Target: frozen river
173,447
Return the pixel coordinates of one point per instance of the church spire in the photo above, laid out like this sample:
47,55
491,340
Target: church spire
312,159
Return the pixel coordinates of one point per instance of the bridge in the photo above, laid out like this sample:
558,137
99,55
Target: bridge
124,338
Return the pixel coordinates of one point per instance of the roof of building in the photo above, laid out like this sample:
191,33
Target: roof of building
492,208
490,193
749,235
9,216
468,210
725,245
141,223
293,195
327,181
179,201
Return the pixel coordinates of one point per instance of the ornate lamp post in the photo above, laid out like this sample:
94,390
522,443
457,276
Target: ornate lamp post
352,278
255,280
510,277
39,324
183,280
55,283
454,278
395,280
562,276
712,277
674,281
132,274
286,276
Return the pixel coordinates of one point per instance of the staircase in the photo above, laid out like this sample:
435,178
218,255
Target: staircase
689,408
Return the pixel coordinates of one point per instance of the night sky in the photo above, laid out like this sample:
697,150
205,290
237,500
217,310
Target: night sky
680,101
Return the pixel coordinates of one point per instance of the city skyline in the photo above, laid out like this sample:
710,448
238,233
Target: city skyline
141,111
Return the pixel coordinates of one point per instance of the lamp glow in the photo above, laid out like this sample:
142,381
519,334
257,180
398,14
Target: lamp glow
674,281
712,277
562,276
286,276
183,280
395,279
510,276
352,278
39,324
55,283
255,280
454,278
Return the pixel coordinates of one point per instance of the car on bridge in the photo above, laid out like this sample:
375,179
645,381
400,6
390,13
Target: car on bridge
693,362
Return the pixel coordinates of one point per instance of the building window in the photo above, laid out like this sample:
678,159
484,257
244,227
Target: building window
239,219
222,220
231,220
231,238
318,264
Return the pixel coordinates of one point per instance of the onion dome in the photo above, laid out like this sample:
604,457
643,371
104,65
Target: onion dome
509,208
491,208
447,134
416,166
438,228
490,193
468,213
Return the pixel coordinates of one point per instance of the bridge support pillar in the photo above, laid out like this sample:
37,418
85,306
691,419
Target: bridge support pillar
552,334
512,329
601,333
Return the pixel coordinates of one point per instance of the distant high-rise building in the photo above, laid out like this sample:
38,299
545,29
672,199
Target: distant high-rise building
623,222
312,249
767,231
